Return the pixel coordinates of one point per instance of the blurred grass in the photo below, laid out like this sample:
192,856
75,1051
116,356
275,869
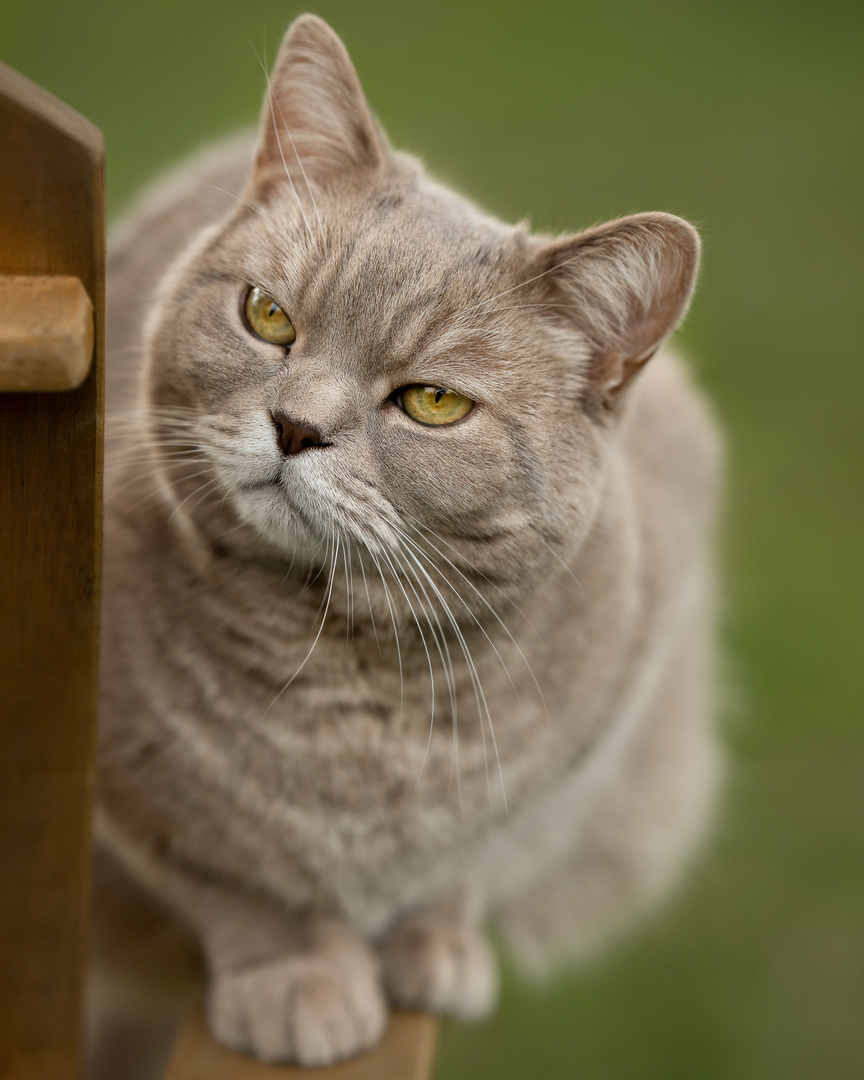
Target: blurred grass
744,117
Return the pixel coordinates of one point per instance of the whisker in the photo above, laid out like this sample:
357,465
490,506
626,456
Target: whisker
467,607
369,603
482,704
390,608
162,487
271,99
203,487
424,532
564,565
320,628
483,599
506,292
349,616
204,183
420,629
444,653
305,177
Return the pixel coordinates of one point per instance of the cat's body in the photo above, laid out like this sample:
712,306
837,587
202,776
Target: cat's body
545,561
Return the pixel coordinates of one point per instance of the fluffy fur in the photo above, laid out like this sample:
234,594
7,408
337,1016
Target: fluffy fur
360,699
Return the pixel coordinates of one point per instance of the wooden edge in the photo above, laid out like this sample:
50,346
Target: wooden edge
406,1052
57,113
46,333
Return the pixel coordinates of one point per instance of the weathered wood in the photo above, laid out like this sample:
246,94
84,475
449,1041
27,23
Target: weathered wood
46,333
406,1052
51,223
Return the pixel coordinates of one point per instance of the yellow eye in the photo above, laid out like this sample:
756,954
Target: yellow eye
267,319
432,405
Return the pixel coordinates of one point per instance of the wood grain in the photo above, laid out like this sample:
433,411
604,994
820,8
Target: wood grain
406,1052
46,333
51,223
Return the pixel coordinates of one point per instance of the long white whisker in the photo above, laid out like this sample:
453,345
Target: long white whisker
270,100
202,488
162,487
320,628
204,183
303,171
467,607
482,704
167,459
349,614
369,603
424,532
420,628
506,292
483,599
391,609
444,653
564,565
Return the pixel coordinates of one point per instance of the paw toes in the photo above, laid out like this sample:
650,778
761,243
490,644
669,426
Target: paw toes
441,968
298,1009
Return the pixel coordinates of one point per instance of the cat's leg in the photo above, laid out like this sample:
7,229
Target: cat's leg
436,959
302,988
283,985
640,833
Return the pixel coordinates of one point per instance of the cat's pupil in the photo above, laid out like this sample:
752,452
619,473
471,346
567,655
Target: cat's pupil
439,394
274,308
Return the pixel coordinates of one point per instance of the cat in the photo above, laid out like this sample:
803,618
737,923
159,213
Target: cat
408,575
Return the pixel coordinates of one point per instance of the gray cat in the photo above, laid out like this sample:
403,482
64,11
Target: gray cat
407,577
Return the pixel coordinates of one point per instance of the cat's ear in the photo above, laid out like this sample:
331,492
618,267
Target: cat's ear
626,286
315,117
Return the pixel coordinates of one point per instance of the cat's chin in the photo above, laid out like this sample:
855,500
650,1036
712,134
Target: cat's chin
279,525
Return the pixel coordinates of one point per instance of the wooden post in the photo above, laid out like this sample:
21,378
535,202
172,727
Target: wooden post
51,226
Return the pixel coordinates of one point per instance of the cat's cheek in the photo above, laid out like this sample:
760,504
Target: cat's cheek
204,358
441,477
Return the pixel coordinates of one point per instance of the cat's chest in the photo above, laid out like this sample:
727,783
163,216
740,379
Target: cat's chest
354,723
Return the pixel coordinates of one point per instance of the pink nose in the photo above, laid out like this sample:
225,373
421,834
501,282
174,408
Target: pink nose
295,437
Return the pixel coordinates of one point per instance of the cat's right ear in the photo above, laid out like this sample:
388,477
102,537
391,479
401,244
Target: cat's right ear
315,119
626,286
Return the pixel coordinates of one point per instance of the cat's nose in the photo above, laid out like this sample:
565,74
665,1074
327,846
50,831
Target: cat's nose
295,437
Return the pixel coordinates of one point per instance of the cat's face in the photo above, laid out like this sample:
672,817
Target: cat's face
456,380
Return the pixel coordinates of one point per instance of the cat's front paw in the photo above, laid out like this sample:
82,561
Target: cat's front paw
308,1009
441,967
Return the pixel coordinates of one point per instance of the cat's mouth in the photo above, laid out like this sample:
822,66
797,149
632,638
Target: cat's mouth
263,484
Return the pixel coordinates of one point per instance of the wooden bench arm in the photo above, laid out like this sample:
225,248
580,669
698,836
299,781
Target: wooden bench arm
406,1052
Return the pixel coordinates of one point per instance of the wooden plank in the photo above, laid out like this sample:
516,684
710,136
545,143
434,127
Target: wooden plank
46,333
51,222
406,1052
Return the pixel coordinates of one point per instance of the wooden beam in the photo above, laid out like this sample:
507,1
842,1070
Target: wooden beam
51,223
46,333
406,1052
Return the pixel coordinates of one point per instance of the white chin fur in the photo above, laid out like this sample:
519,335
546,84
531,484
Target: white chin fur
273,519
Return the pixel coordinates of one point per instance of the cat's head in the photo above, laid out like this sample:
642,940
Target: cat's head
369,357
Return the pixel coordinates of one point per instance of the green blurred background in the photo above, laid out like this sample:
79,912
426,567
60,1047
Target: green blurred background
746,119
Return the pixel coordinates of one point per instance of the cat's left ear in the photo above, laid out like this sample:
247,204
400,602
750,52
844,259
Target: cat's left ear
625,286
315,118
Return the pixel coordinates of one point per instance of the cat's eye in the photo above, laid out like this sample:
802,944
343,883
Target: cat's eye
266,319
434,405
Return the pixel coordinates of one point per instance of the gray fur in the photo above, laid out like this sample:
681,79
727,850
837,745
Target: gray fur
331,836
